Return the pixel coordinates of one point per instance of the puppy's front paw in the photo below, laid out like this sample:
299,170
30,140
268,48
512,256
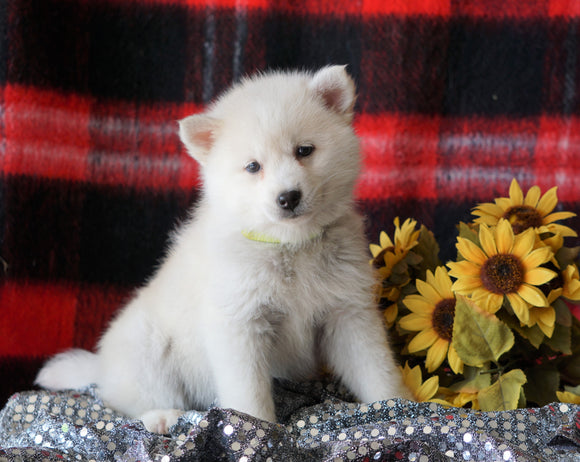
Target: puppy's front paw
161,420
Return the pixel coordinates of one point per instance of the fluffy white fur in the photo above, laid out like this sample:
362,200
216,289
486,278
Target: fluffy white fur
224,313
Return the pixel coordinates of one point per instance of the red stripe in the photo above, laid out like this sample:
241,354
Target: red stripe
467,159
564,8
74,138
400,156
490,9
69,137
37,319
41,319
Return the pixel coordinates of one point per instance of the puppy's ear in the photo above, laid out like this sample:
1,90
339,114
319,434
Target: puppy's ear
336,88
198,134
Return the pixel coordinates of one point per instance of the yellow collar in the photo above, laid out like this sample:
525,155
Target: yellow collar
258,237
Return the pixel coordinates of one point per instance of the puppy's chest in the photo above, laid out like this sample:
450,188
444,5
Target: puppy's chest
303,273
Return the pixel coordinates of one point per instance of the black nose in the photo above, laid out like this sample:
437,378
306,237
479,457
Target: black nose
289,200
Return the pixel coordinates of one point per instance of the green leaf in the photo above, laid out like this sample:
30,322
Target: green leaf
543,381
466,232
533,334
504,394
478,336
474,381
428,249
563,315
566,256
561,339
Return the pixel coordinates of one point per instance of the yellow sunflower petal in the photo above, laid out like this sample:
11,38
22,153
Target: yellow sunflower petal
487,241
375,250
428,389
423,340
504,236
466,285
516,194
430,278
504,203
391,313
428,291
524,243
532,295
520,307
412,377
547,315
415,322
488,209
486,220
548,330
532,196
470,251
536,258
490,303
562,230
443,282
385,240
463,268
418,304
538,276
454,360
548,201
556,216
436,354
568,397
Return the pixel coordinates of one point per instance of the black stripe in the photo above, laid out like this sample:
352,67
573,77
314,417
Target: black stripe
18,373
78,232
455,66
496,67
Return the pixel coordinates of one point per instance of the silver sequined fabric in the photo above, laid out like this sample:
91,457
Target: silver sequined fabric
318,423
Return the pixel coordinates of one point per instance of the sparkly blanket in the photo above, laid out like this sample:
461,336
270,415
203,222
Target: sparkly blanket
317,424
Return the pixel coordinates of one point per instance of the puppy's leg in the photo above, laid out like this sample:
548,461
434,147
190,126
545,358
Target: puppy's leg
160,420
241,369
355,345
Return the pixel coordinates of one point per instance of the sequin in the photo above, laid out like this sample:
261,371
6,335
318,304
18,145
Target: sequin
77,426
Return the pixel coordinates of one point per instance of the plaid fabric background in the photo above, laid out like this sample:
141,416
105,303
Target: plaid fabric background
456,97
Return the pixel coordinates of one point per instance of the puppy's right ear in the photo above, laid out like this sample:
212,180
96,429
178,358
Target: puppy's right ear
198,133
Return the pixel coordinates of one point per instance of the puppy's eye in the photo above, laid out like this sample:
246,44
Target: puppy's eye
304,150
253,167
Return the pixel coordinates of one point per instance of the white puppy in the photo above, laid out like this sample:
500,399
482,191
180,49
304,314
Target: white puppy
269,279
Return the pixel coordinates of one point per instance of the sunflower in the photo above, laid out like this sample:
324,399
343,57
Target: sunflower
386,256
571,283
506,266
531,211
569,396
413,378
432,314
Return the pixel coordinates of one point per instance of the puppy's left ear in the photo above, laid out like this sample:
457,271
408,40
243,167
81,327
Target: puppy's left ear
198,134
336,88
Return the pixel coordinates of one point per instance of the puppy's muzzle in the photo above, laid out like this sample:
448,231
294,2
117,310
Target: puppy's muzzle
289,200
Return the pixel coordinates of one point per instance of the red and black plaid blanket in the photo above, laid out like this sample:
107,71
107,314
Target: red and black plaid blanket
456,97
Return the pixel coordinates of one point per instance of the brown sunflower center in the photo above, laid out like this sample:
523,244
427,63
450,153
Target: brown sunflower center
523,217
502,274
442,318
